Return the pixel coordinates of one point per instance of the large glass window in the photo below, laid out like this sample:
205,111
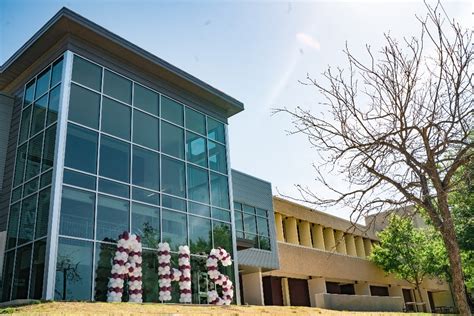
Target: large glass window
195,121
37,269
53,105
145,130
84,106
104,255
33,164
77,213
114,159
25,124
215,130
222,236
172,110
7,270
146,99
145,196
114,188
198,184
172,176
27,219
21,278
42,83
172,140
196,149
116,118
79,179
219,190
146,223
112,218
74,270
81,149
29,92
117,87
252,223
48,150
42,213
217,157
174,229
56,74
200,235
39,115
87,73
20,164
13,222
146,166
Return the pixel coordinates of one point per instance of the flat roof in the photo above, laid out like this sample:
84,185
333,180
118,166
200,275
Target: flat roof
67,22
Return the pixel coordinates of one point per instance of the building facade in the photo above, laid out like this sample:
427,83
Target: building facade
98,136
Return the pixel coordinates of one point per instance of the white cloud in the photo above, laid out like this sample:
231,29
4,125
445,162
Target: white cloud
308,40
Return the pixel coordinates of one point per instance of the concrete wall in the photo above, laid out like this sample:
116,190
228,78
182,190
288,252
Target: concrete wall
359,302
253,289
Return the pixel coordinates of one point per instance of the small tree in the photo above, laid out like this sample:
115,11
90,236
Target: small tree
397,128
407,252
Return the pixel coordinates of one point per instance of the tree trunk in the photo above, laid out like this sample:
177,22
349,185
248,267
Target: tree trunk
452,248
421,297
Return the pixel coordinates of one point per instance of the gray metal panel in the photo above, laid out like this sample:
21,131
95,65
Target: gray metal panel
9,163
256,192
6,106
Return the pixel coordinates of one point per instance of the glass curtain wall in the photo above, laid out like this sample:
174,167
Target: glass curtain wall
137,160
31,188
251,223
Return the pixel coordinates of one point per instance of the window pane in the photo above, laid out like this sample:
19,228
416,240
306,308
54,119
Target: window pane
117,87
79,179
13,221
219,214
53,105
198,184
146,224
34,157
39,115
250,225
42,83
261,212
81,149
74,270
27,219
7,270
21,279
215,130
222,236
199,235
238,221
150,279
146,99
173,203
43,213
171,110
196,149
37,269
116,118
16,194
195,121
199,209
146,168
31,186
264,243
217,157
145,130
84,106
57,72
146,196
87,73
237,206
219,191
104,255
114,188
46,179
112,218
48,150
262,225
29,92
77,213
25,124
114,159
20,164
249,209
172,176
172,140
174,229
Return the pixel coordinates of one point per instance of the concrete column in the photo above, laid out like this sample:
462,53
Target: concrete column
279,227
340,242
318,237
291,230
362,288
350,245
395,290
285,289
359,242
253,288
316,286
367,246
426,300
305,234
329,241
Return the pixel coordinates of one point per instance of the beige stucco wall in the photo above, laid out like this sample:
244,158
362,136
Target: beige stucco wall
253,288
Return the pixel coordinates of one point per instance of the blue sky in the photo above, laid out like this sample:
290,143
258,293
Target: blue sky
254,51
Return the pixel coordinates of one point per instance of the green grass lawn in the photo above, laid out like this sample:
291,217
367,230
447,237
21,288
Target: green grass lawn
99,308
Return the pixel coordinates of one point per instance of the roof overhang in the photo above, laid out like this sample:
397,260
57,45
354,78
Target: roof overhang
68,23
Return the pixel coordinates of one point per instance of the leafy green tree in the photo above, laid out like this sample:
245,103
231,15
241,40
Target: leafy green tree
407,252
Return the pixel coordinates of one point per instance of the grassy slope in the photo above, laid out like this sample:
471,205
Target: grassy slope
82,308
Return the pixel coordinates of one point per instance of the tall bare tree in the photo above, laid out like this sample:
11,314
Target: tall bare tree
398,127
